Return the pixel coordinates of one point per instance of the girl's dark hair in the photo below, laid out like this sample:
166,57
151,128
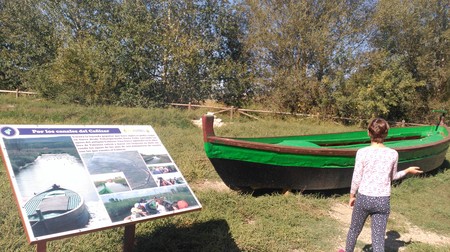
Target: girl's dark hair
378,130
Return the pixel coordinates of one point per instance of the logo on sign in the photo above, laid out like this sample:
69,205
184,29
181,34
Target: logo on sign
8,131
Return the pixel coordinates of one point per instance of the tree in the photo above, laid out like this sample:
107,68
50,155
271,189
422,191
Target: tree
418,31
299,48
85,69
233,77
81,73
27,40
132,53
383,87
202,52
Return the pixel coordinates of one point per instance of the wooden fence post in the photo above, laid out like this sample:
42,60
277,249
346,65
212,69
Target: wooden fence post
231,113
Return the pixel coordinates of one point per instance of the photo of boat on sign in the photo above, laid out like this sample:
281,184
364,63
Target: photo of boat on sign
56,210
56,193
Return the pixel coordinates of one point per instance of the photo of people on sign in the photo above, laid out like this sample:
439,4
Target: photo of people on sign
127,206
70,179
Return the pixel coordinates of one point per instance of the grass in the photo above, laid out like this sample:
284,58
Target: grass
229,221
426,205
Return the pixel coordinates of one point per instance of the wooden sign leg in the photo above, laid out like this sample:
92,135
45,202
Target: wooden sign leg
41,246
128,242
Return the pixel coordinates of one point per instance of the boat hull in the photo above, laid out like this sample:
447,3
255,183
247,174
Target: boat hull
246,176
76,219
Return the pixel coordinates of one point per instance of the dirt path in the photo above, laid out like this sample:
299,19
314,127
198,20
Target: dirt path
210,185
394,240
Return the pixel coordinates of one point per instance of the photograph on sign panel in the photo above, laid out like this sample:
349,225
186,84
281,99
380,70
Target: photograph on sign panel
156,159
169,179
148,203
128,162
162,169
54,186
110,183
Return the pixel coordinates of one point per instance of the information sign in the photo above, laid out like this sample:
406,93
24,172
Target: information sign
74,179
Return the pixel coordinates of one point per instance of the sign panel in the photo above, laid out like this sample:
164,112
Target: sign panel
74,179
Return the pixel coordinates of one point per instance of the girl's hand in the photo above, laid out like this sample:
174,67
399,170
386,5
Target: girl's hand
414,170
351,202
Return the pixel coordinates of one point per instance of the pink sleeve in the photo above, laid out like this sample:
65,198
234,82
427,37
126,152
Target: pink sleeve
357,173
396,174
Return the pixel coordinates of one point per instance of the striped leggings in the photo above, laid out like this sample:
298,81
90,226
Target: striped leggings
378,208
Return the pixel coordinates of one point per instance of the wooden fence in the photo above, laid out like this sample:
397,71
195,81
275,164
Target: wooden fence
17,92
233,111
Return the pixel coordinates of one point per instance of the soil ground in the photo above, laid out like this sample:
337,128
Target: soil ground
394,240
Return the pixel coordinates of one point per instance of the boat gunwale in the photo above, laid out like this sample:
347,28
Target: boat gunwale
210,137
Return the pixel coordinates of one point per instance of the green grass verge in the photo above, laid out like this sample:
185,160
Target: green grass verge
229,221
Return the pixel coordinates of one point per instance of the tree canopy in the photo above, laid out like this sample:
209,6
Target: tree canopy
354,58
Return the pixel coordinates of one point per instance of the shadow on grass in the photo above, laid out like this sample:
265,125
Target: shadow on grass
392,243
208,236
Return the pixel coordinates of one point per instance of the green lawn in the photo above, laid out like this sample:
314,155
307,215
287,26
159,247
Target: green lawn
229,221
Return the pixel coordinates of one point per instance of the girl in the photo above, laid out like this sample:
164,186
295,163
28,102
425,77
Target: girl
375,168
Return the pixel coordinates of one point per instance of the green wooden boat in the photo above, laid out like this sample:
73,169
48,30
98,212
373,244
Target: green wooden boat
314,162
